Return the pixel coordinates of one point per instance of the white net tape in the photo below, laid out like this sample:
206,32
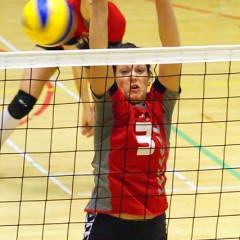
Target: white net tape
195,54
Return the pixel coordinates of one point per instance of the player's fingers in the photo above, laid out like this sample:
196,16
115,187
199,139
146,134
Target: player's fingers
87,131
90,132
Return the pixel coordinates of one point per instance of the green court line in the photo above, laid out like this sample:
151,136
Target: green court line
206,152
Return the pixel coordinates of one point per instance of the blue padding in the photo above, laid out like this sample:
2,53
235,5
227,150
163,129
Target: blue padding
43,11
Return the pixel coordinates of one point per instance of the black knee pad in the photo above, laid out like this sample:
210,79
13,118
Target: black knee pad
21,105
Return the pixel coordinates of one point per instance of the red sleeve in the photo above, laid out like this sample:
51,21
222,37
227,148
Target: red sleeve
116,23
82,30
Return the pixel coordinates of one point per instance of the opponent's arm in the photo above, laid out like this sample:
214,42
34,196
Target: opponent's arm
169,36
102,76
82,84
82,77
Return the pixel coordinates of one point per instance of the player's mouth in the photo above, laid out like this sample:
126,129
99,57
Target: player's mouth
134,87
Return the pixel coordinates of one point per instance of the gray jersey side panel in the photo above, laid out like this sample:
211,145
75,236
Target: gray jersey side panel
103,125
169,102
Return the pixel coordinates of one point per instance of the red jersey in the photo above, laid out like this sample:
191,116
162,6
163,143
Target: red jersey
131,150
116,22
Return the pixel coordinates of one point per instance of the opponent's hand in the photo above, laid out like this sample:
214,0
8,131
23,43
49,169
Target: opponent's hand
87,122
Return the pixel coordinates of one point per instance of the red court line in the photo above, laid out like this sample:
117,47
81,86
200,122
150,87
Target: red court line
228,16
202,11
47,100
45,104
191,9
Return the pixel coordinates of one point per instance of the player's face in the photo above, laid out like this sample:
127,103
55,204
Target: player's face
133,80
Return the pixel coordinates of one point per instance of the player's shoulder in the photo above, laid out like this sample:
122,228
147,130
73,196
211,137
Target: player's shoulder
115,15
75,4
112,7
73,1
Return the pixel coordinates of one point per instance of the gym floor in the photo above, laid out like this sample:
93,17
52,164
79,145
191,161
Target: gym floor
40,207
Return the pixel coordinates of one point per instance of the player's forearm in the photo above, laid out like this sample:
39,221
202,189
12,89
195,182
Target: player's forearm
169,74
98,25
167,24
84,94
98,36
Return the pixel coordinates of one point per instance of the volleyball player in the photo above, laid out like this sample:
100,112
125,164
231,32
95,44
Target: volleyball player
30,90
131,137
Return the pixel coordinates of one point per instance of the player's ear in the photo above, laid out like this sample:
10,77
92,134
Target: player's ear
149,81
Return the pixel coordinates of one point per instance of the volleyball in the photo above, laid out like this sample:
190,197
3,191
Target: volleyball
48,22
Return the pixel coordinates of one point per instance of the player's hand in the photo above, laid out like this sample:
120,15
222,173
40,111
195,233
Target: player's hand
87,122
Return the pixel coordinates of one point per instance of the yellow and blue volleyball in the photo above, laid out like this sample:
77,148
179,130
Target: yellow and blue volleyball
49,22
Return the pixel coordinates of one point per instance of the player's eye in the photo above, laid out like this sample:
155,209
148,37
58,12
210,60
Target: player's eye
140,70
124,72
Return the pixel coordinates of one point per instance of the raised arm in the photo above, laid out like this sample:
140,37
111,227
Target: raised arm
169,36
98,36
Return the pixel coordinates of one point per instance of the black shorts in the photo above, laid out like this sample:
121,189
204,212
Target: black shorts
105,227
74,41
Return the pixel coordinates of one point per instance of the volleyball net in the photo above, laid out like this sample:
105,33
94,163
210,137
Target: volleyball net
45,166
